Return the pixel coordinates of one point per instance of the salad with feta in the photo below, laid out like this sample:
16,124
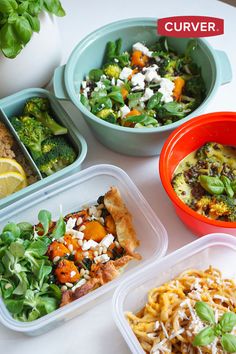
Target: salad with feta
146,87
50,264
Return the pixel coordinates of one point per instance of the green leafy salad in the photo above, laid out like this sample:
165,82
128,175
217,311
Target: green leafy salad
145,87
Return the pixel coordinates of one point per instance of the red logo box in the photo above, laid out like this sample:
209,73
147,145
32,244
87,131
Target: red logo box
190,26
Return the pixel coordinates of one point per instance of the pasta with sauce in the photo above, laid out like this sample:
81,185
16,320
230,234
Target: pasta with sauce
168,322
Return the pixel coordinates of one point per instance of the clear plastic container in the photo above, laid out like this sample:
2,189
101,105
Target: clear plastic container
218,250
73,193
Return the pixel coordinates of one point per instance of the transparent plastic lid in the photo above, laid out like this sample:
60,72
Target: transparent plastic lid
218,250
73,193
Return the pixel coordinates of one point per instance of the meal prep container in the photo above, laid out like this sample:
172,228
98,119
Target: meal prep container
88,54
217,127
218,250
73,193
13,106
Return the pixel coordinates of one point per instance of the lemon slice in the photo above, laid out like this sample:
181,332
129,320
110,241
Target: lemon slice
10,165
11,182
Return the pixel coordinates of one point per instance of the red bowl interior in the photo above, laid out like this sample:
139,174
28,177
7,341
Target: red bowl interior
218,127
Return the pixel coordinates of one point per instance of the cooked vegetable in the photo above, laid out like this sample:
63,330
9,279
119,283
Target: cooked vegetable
39,108
39,132
32,133
205,180
155,78
56,159
42,266
94,231
67,272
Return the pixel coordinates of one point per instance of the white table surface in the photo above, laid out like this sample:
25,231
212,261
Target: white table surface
95,332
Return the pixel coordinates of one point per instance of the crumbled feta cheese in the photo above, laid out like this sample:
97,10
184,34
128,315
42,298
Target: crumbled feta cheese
125,73
103,77
116,60
84,84
147,94
138,81
103,258
79,284
107,240
152,76
124,110
72,273
89,244
70,224
139,46
100,85
119,83
113,81
76,234
166,89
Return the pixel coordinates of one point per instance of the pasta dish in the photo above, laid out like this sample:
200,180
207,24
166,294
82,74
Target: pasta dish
168,323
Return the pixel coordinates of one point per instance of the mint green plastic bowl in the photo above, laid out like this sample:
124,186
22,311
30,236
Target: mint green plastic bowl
88,54
12,106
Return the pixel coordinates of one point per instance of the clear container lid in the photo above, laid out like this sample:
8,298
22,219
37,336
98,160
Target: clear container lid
73,193
217,250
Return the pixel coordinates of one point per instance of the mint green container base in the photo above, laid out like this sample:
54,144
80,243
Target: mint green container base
12,106
88,54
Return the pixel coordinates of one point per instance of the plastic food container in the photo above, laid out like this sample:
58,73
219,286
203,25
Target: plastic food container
88,54
73,192
217,127
12,106
218,250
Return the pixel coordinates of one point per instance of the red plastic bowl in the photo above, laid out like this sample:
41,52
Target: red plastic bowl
219,127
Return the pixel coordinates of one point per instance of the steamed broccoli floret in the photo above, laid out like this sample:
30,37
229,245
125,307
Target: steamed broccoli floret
56,159
182,188
195,87
210,150
39,108
167,67
112,70
52,142
107,114
32,133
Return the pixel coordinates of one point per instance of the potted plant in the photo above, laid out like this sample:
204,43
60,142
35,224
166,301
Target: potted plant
29,43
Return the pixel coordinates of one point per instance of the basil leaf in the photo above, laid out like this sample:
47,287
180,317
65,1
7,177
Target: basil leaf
6,6
205,337
33,21
60,228
228,321
54,6
10,46
23,29
155,100
212,185
228,342
45,218
95,74
227,183
205,312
